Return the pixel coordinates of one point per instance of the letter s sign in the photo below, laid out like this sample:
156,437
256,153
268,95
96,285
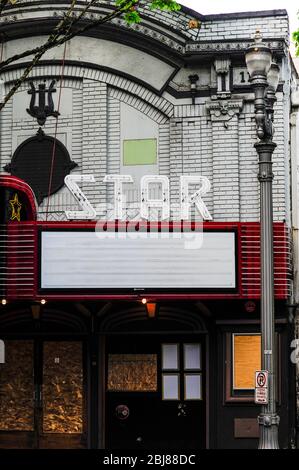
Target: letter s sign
295,353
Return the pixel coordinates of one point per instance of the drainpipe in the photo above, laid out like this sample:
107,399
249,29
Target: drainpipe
294,143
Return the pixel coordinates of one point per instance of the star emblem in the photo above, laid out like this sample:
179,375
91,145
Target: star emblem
16,207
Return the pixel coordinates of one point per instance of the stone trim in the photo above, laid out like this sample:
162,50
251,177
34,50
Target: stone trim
167,28
224,110
234,46
146,108
73,75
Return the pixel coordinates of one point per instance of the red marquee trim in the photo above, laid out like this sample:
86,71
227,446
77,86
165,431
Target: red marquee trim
24,253
8,181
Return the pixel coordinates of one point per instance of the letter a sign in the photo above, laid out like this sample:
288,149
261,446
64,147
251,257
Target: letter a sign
261,387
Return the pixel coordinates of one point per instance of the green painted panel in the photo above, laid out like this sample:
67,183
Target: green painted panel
140,152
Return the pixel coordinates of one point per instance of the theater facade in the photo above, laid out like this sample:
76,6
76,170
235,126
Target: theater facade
130,279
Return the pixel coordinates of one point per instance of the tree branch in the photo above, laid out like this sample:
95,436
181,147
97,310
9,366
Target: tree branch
3,5
53,41
6,3
64,30
68,34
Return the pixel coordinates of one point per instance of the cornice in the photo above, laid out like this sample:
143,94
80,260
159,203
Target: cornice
150,25
230,47
169,31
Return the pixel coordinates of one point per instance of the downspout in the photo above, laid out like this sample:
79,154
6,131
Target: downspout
294,309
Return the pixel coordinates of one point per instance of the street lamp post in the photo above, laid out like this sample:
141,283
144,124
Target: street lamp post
264,77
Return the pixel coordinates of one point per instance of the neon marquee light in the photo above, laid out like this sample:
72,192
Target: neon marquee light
187,199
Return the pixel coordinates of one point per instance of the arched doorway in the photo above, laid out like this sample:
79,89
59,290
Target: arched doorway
156,378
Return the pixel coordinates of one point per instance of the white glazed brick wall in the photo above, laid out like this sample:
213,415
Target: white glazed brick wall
248,166
188,144
77,148
195,160
15,130
163,149
94,138
63,199
226,170
5,135
145,104
175,161
115,81
280,163
228,158
223,28
239,28
114,149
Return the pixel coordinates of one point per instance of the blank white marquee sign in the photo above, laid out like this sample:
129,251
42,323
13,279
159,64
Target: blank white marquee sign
89,260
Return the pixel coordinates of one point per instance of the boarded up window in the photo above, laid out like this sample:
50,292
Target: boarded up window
63,387
140,152
132,373
246,360
17,387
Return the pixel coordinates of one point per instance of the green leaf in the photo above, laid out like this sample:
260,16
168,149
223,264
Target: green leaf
132,17
165,5
296,40
130,8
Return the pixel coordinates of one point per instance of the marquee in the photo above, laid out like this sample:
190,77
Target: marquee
85,259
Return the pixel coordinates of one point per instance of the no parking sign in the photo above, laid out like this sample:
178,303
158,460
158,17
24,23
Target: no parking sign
261,387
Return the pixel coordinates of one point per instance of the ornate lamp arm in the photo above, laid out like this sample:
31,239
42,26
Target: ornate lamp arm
263,102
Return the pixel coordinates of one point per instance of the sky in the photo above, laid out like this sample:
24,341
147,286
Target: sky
232,6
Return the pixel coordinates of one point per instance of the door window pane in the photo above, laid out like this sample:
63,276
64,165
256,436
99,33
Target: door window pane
17,387
170,356
193,387
170,386
192,356
132,373
246,360
62,387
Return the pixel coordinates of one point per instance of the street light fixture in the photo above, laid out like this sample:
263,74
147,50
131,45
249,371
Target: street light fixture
264,77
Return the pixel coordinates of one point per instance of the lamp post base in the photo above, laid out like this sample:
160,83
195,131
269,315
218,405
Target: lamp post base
268,431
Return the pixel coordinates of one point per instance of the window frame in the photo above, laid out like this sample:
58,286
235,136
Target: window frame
234,388
189,374
152,140
193,369
232,395
171,374
167,369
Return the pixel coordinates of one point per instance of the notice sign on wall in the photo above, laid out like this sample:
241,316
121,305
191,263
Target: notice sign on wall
261,387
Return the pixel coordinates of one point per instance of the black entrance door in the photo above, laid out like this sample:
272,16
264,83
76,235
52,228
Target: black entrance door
156,392
41,395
